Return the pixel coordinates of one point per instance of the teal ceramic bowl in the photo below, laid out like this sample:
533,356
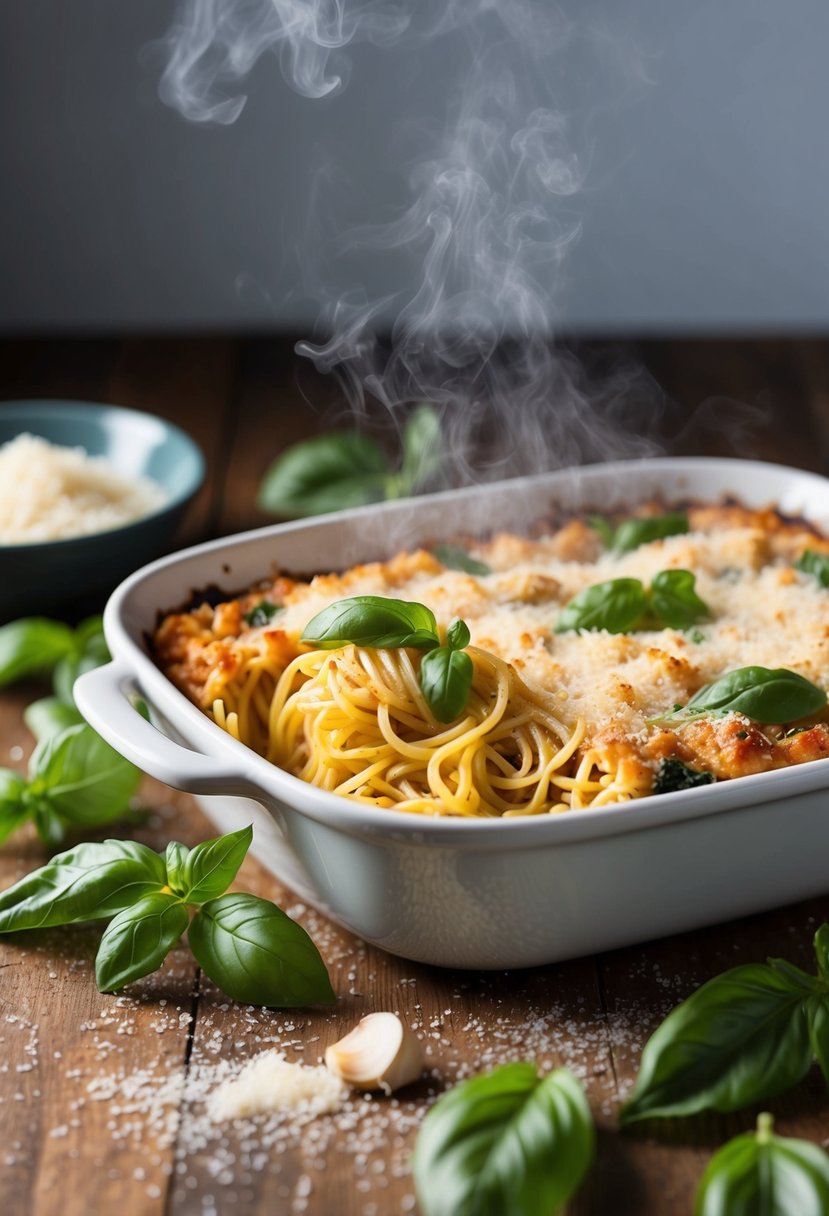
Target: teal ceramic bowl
76,574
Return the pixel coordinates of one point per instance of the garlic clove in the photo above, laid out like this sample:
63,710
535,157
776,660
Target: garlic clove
379,1053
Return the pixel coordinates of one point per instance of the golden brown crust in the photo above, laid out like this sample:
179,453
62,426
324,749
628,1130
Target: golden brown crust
203,650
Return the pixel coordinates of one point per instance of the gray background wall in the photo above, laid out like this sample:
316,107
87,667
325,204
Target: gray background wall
706,206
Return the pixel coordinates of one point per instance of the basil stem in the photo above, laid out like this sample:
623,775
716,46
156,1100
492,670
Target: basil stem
764,1173
745,1036
250,948
507,1141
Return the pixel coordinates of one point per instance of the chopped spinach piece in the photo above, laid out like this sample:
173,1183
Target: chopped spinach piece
674,775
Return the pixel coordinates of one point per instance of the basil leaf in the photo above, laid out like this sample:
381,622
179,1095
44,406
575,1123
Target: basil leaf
328,473
89,882
257,954
505,1142
765,1174
49,716
211,867
138,940
821,943
674,775
89,651
82,778
455,558
617,606
457,635
766,695
635,532
262,613
175,857
14,811
674,601
816,564
31,646
740,1038
445,680
372,620
422,450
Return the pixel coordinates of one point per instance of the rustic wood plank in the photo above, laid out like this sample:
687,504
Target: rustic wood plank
55,367
60,1035
244,412
278,400
189,382
641,984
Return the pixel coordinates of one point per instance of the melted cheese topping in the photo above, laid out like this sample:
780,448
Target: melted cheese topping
762,612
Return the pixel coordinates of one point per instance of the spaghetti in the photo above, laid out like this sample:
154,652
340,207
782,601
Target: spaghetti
567,710
354,721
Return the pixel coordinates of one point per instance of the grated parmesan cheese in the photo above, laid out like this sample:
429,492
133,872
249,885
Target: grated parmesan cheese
49,492
269,1082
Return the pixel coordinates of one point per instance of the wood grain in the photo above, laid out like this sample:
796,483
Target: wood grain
118,1148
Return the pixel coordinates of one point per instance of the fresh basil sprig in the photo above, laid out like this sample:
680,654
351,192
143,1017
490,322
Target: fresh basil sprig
816,564
246,945
745,1036
371,620
507,1141
635,532
37,645
761,1172
75,779
349,469
766,695
453,557
621,605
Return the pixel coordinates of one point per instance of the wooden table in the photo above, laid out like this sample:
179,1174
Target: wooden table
101,1107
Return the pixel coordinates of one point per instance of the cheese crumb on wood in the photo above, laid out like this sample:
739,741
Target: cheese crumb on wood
269,1082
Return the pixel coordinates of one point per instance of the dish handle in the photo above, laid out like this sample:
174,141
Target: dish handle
104,697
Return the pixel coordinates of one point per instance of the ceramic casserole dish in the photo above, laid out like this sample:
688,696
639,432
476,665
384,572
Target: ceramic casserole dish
485,893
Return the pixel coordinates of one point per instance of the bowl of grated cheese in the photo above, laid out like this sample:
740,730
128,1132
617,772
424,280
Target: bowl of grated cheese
88,493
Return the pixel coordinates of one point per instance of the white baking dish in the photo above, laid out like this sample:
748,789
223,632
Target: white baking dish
490,893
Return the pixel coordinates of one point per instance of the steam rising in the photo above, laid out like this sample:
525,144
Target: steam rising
487,229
